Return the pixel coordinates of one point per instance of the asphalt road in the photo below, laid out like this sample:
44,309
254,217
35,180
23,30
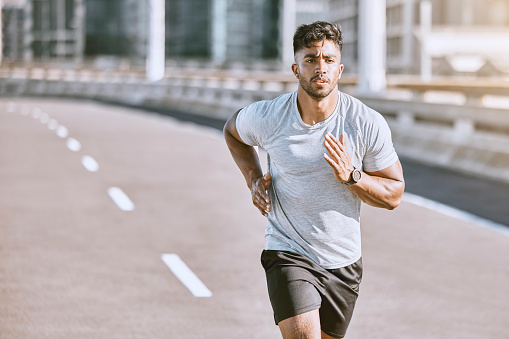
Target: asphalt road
74,264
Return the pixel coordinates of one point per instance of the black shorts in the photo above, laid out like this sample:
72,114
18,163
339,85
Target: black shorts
298,285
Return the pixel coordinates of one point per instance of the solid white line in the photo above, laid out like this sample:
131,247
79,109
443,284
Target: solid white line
73,144
62,132
89,163
121,199
455,213
185,275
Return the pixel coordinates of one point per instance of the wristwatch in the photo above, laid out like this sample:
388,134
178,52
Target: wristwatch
355,176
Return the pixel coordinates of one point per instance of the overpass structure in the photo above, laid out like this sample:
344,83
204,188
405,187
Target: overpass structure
458,133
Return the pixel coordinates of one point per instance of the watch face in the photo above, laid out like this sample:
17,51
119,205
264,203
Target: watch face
356,175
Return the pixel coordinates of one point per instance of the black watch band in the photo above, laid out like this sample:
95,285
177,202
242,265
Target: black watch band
355,176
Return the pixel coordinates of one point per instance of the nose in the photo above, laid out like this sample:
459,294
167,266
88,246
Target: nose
320,67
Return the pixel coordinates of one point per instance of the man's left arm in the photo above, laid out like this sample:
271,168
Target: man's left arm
379,189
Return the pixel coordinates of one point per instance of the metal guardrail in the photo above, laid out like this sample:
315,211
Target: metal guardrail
469,137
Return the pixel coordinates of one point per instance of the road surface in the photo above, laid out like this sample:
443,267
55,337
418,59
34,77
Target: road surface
94,195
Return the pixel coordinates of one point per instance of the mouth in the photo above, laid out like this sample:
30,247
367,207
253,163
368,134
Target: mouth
320,81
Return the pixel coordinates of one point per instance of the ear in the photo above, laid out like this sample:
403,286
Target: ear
295,70
341,67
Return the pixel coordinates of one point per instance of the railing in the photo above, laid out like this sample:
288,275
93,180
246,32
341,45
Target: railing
468,137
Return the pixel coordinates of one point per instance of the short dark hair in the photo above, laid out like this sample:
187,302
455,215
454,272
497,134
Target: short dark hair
306,35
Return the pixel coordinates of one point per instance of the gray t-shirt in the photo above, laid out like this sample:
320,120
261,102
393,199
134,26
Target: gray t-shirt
312,213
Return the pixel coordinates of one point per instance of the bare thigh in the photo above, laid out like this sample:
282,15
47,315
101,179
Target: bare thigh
303,326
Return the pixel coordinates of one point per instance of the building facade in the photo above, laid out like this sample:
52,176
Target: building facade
456,28
465,36
12,32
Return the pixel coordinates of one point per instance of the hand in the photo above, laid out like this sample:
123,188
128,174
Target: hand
338,157
259,194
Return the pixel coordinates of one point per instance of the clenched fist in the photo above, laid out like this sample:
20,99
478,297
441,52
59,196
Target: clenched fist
259,194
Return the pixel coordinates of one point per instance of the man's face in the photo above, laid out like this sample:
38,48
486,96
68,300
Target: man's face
318,68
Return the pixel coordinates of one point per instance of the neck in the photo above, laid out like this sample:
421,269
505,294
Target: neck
314,110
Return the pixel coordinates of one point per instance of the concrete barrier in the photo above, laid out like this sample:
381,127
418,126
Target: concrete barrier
469,138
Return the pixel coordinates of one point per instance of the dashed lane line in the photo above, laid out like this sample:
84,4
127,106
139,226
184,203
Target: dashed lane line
62,132
186,276
44,118
52,124
89,163
116,194
36,113
120,199
73,144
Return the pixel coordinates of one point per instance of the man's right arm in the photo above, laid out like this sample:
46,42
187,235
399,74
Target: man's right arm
247,160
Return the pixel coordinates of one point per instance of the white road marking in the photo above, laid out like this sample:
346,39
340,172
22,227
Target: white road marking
11,107
121,199
455,213
62,131
52,124
89,163
73,144
186,276
44,118
36,113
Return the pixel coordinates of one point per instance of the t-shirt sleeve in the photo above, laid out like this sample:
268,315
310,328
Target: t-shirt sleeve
251,124
380,152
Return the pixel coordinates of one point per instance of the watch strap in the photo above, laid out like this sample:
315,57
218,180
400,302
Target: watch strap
352,177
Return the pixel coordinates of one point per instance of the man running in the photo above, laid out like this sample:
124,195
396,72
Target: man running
327,152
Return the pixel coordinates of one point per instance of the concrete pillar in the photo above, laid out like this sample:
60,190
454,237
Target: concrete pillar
28,35
408,34
1,33
60,32
47,34
425,30
287,26
219,31
372,44
79,29
155,53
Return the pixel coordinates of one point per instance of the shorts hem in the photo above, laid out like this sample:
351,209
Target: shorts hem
301,311
334,335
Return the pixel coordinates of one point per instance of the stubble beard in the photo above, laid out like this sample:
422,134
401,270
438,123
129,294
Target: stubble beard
307,86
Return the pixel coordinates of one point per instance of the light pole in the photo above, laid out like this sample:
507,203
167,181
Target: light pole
155,52
372,44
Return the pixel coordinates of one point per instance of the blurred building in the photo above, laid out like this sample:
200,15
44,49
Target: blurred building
465,37
42,29
221,30
116,28
57,29
308,11
216,30
12,30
